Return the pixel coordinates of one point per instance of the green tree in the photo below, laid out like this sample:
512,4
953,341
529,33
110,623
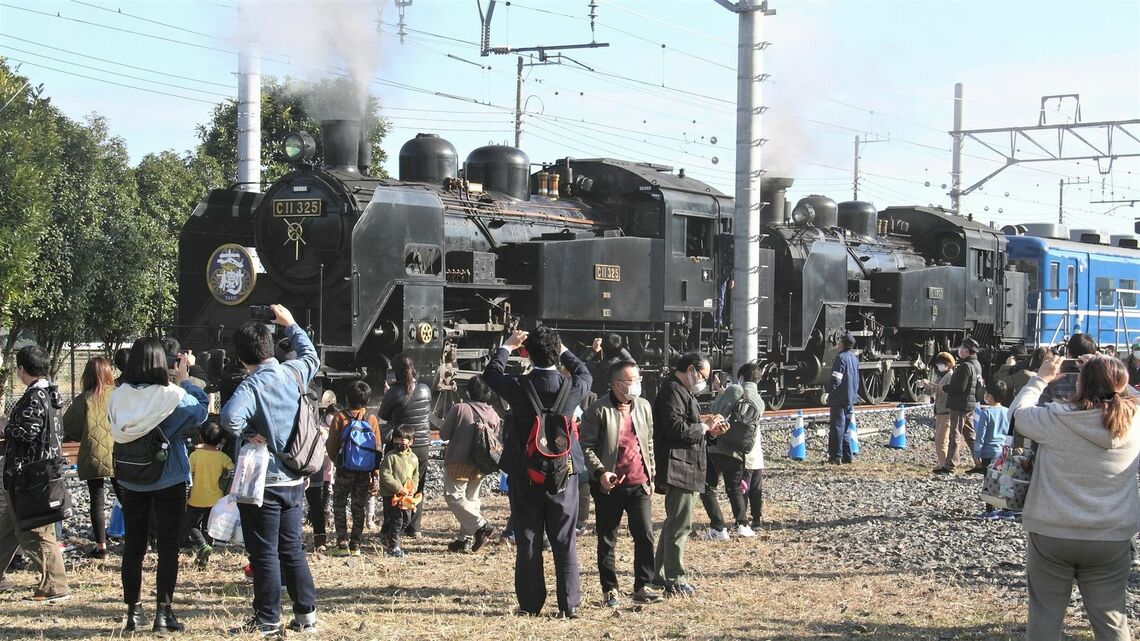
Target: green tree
29,150
290,105
93,191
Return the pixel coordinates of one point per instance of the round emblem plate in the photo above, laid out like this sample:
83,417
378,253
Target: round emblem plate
230,274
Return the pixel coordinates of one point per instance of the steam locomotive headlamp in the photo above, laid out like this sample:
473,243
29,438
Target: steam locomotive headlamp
803,214
299,147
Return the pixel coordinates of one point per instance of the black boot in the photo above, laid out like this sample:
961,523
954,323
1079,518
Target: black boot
134,618
164,620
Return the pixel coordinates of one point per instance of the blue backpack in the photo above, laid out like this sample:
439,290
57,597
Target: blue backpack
358,451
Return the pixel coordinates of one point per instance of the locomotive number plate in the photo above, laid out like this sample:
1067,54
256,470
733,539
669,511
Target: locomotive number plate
607,272
298,207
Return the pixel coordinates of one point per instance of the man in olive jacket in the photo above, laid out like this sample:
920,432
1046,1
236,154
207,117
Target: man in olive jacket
679,442
961,397
617,440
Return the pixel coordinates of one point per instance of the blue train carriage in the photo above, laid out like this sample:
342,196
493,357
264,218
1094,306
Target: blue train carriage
1080,280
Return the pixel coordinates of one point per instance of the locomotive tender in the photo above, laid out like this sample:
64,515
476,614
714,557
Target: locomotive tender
440,263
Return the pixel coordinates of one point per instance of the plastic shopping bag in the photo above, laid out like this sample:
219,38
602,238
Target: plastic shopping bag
1006,482
224,519
249,474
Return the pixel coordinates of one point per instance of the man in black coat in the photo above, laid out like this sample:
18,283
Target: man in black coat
534,508
680,433
961,398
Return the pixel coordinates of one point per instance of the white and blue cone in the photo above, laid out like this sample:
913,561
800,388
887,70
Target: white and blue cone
853,435
797,446
898,434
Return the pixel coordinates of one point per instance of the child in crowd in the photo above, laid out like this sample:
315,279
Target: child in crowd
991,426
319,488
210,473
399,477
354,446
941,374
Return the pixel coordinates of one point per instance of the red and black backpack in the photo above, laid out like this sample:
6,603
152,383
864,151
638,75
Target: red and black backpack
548,444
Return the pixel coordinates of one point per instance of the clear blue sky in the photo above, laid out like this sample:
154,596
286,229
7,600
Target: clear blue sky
879,69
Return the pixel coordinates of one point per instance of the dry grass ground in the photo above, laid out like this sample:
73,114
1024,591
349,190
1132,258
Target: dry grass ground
763,588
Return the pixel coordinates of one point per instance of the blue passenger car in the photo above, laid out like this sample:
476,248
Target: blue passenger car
1081,281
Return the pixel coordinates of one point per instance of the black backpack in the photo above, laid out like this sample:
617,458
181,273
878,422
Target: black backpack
486,448
142,460
304,452
547,454
745,422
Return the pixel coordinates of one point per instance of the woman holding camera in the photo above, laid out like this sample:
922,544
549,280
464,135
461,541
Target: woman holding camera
1083,504
147,401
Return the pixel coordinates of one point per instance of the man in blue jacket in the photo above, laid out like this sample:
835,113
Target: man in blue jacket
842,392
534,507
263,409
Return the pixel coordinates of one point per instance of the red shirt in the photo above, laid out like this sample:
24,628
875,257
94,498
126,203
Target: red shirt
629,461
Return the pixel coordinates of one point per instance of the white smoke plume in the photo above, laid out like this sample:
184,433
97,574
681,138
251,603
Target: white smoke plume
321,39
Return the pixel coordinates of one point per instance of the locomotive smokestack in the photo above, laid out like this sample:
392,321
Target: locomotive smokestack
772,194
341,140
364,153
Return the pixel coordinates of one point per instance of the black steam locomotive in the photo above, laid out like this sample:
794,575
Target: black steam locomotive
908,282
442,262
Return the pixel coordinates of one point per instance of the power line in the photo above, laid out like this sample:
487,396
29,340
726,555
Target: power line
147,20
112,62
115,73
659,21
111,82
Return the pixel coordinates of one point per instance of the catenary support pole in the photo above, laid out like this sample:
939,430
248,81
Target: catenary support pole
956,158
746,259
855,173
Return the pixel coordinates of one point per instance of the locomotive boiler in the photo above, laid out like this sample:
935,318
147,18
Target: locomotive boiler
907,282
443,261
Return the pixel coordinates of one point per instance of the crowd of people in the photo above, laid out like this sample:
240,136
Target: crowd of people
577,431
149,437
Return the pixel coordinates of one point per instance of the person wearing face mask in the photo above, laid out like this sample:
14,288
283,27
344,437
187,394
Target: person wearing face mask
680,448
617,439
842,392
942,372
1132,364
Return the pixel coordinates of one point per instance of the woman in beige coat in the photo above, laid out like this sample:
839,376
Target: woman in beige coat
1083,504
941,373
86,422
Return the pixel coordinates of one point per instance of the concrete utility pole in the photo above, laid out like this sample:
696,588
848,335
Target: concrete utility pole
1062,183
956,158
249,118
518,104
746,225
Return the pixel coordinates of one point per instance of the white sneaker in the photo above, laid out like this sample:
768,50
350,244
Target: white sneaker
745,531
716,535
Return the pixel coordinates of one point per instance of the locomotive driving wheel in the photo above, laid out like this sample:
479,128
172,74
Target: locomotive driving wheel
912,391
774,379
874,384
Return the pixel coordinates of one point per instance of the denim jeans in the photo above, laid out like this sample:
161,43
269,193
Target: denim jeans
167,507
273,540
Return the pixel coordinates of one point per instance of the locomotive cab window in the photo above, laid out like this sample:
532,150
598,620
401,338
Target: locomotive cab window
1128,299
692,236
984,264
1105,292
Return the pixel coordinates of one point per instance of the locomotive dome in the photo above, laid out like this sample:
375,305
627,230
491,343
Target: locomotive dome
501,169
427,158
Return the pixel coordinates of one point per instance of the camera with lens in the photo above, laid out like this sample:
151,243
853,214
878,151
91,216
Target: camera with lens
262,313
